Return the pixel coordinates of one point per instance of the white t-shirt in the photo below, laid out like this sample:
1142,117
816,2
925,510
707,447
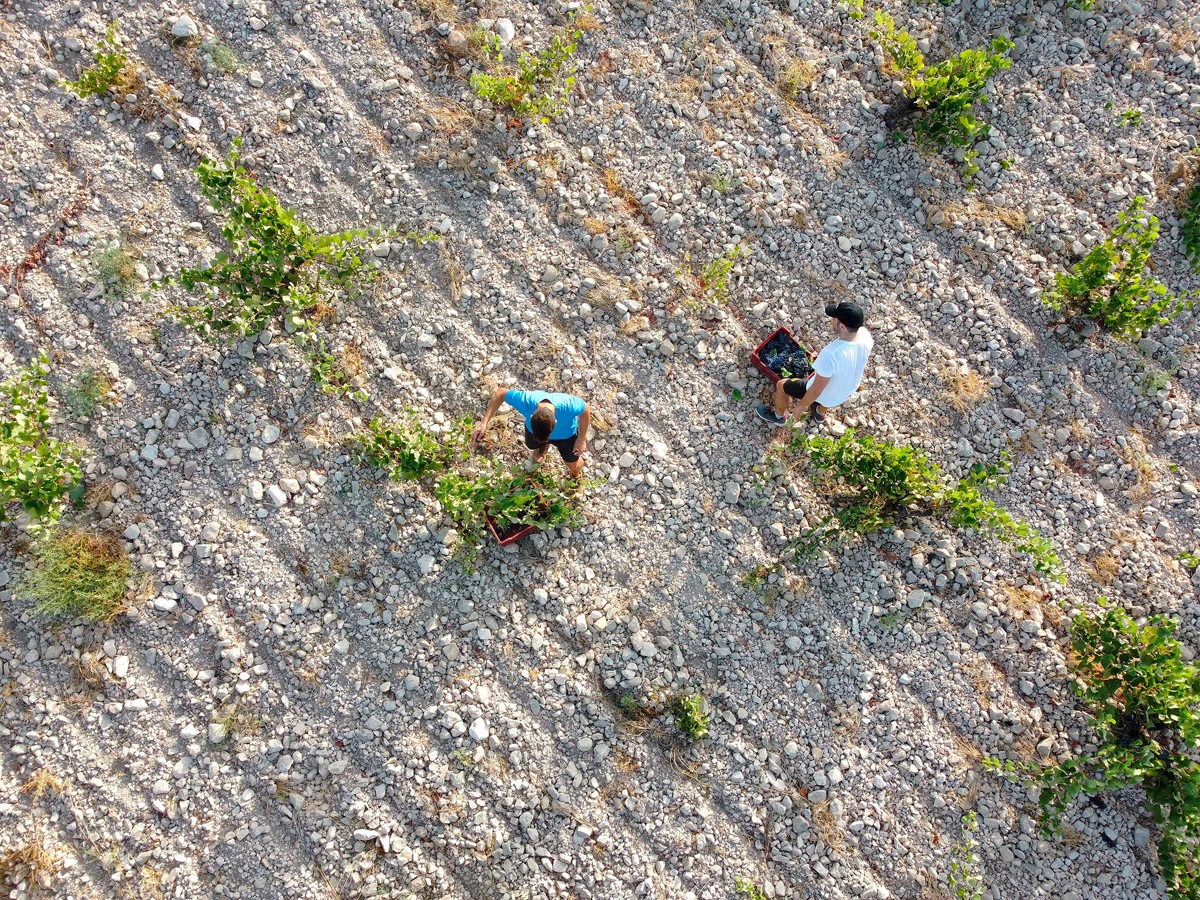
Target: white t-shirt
843,363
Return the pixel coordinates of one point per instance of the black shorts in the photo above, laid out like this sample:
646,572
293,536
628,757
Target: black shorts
566,446
795,387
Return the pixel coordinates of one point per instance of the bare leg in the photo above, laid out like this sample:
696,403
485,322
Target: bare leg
576,468
781,400
536,457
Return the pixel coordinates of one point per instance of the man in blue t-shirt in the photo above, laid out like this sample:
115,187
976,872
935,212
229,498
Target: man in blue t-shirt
558,419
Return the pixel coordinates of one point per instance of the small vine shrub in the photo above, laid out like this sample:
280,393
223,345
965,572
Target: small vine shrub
970,509
108,60
538,84
277,267
874,481
36,470
749,889
407,450
1191,225
881,478
690,717
964,878
1144,704
79,573
1110,284
511,498
946,93
714,277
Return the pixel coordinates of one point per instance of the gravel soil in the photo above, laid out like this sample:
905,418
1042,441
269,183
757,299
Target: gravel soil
309,696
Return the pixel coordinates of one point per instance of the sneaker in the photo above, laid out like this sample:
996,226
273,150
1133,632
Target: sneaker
815,415
769,415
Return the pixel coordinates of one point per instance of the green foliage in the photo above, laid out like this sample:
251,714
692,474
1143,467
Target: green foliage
1132,117
35,469
690,717
115,266
724,182
964,862
970,509
279,266
407,450
1189,559
86,391
947,92
1144,700
900,46
749,888
883,478
105,70
219,56
1110,283
852,8
79,573
714,277
540,84
510,497
1191,225
1082,5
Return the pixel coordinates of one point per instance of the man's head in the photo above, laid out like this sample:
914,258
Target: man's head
845,318
542,422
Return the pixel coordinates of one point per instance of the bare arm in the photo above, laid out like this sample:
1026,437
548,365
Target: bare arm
814,391
496,401
585,422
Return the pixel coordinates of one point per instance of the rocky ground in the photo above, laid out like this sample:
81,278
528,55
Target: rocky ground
311,698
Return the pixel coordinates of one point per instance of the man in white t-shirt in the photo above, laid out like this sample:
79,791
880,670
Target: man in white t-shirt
837,370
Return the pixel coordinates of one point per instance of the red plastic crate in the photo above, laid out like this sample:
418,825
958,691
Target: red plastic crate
770,374
512,538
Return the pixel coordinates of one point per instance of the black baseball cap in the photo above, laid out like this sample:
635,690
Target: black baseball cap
847,312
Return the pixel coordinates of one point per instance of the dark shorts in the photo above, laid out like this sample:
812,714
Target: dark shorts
566,446
795,387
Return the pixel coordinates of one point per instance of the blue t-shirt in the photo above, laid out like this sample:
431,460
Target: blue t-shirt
567,410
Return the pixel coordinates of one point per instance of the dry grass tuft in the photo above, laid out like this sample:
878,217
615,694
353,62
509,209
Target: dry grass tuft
79,573
43,782
964,391
794,78
826,827
593,225
31,863
1105,568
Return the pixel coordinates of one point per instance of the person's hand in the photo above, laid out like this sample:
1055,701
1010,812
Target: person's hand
480,431
580,445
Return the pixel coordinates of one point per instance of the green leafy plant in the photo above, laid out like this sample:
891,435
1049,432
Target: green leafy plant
874,481
540,83
900,46
852,8
724,181
1132,117
1191,225
1082,5
946,93
510,498
108,60
278,266
220,57
882,478
1144,700
714,277
745,885
970,509
35,468
86,391
690,717
409,451
1189,559
1110,284
116,267
79,573
964,877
